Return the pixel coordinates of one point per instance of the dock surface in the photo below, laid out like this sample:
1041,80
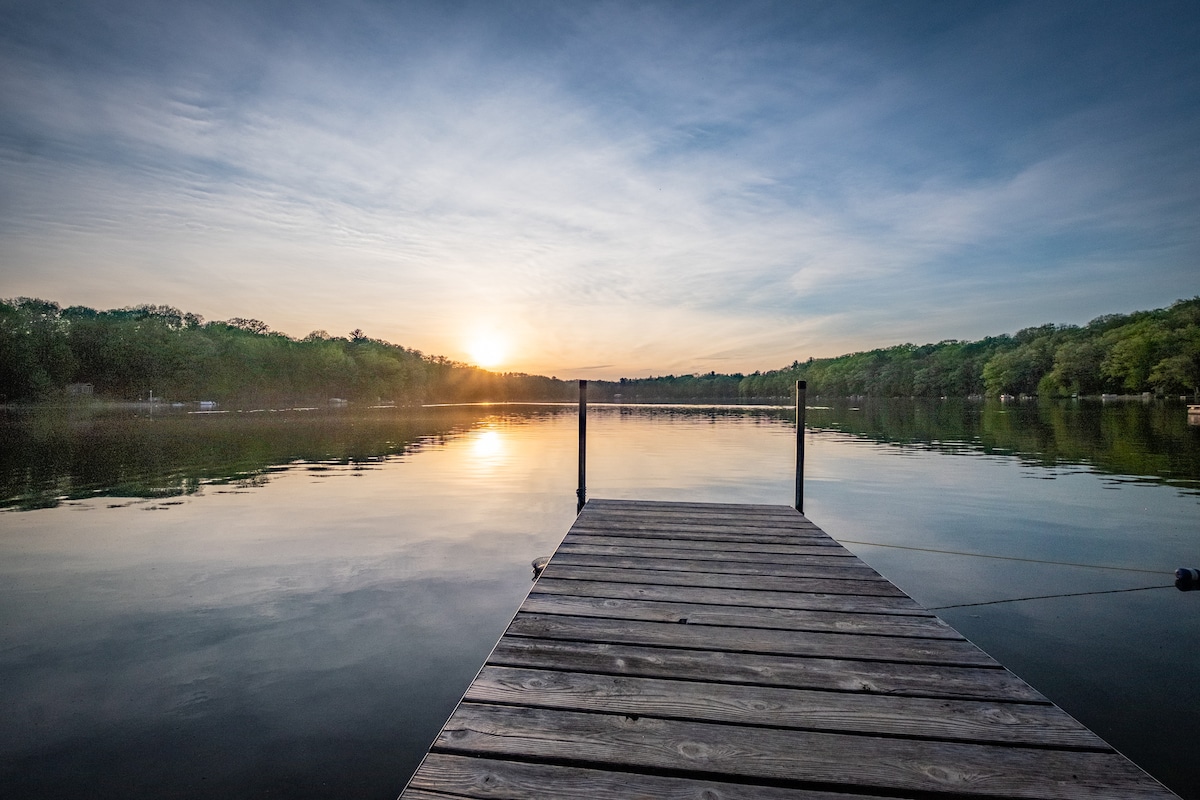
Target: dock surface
687,650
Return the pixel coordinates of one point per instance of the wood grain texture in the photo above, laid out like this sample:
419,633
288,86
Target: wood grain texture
951,720
711,580
812,601
850,566
667,506
844,675
749,516
811,548
490,779
840,571
666,547
739,616
743,640
732,520
684,527
762,515
706,533
807,759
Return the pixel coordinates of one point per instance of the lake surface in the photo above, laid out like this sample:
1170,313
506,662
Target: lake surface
290,603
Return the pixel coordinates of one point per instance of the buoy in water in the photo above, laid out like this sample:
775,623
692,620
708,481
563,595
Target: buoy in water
1187,579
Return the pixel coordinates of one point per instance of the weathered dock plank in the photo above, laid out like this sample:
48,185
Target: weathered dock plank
803,758
687,650
666,526
724,580
801,709
458,776
611,507
830,674
673,539
810,601
740,616
844,571
741,640
771,553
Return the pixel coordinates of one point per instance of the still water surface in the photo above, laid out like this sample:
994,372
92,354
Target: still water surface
289,604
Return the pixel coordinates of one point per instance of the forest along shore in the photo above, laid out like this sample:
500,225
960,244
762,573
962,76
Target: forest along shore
48,352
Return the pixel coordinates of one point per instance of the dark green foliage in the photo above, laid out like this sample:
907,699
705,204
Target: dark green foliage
35,358
130,352
1148,351
710,387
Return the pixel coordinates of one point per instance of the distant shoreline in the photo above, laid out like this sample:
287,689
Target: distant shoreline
777,403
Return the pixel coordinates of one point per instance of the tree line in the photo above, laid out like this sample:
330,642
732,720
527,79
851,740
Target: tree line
126,353
1146,351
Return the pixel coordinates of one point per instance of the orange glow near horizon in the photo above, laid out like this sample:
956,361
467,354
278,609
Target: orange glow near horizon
488,350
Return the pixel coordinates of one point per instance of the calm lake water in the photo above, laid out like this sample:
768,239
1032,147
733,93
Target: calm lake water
290,603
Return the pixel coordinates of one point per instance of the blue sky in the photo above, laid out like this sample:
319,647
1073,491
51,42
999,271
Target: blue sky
604,189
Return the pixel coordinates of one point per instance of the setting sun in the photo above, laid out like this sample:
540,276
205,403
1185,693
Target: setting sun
487,351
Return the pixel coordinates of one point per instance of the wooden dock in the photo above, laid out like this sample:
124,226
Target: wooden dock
684,650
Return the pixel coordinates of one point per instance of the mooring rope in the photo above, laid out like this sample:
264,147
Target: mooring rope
1010,558
1047,597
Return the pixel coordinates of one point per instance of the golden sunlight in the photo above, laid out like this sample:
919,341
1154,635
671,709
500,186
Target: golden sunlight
488,451
487,444
487,351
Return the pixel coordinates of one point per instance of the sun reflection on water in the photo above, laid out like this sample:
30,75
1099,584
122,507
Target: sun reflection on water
488,448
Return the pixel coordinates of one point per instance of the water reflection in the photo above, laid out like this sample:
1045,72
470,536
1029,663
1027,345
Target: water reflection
50,458
487,448
302,638
1129,440
47,458
292,606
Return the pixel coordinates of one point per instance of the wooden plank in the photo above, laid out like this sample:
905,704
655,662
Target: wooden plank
619,506
912,717
702,524
699,525
715,581
846,565
492,779
714,549
845,675
746,514
740,640
707,533
696,525
714,533
594,545
740,616
730,517
848,571
802,758
754,515
807,601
